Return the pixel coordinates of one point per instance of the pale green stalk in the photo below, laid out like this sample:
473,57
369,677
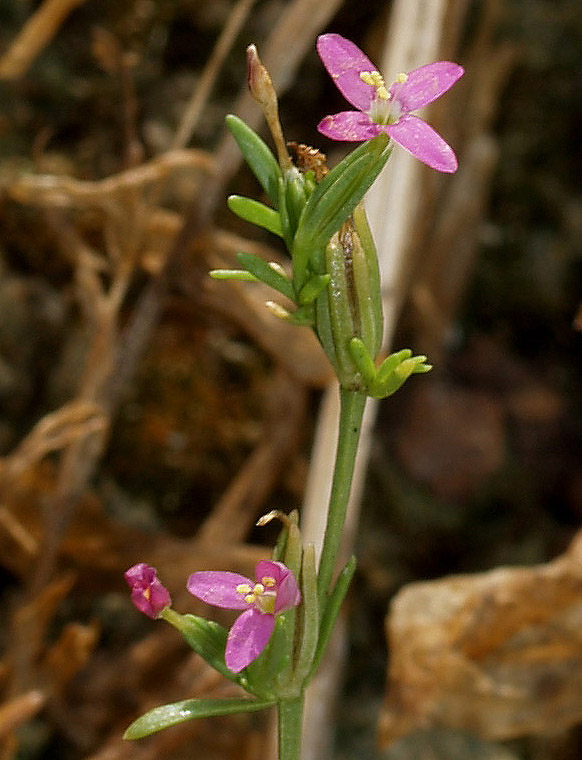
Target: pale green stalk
352,404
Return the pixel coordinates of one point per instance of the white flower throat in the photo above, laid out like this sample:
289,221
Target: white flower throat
384,109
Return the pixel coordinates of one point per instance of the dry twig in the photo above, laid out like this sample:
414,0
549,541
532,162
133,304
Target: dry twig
38,31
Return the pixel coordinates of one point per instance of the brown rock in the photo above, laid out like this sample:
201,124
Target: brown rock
498,654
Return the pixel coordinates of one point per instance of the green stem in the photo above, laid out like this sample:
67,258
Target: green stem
290,727
352,404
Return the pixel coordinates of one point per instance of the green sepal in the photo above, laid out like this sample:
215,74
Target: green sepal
313,287
207,638
331,611
264,272
341,315
188,709
292,559
308,615
257,155
334,199
323,327
367,285
256,213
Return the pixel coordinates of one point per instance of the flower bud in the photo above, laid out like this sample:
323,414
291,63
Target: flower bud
351,306
147,592
262,90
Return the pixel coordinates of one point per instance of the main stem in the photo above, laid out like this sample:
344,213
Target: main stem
352,406
290,727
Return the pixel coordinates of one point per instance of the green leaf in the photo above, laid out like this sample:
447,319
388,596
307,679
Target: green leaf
406,368
232,274
188,709
390,363
256,213
207,638
332,610
336,197
257,155
265,272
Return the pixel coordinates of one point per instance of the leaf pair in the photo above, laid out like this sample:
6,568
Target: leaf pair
305,215
381,382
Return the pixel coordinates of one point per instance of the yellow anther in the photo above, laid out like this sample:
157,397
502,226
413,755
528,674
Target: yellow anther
259,589
250,598
375,79
401,78
147,593
243,588
372,77
268,581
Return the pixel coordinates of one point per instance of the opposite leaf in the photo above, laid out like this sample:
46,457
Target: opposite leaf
256,213
179,712
257,155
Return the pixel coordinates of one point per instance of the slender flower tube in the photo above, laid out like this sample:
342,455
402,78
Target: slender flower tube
147,592
273,591
387,109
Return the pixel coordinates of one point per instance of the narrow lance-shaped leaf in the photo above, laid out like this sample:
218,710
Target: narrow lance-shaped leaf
241,275
266,272
207,638
188,709
256,213
257,155
390,363
332,609
335,198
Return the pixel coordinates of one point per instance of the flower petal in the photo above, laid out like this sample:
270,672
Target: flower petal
425,84
344,61
271,567
353,126
247,638
288,594
219,588
418,138
147,592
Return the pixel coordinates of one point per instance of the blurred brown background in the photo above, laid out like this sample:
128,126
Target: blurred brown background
147,414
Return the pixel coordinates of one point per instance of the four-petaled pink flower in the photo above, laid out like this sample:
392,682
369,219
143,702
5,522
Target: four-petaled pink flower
274,590
147,592
382,109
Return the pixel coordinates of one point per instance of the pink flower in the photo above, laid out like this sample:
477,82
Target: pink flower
274,590
382,109
147,593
